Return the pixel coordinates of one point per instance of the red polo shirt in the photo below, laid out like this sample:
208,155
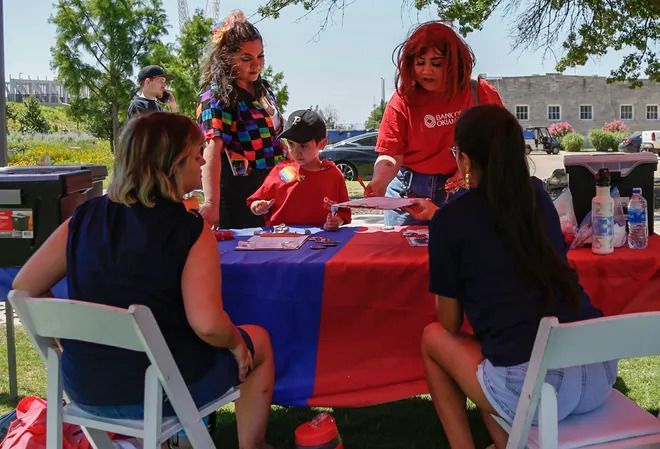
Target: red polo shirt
421,127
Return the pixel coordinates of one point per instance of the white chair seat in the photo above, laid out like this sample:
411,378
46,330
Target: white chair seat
73,414
624,418
620,422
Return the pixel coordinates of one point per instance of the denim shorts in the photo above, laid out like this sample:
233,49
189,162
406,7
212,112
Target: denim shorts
221,377
416,185
580,389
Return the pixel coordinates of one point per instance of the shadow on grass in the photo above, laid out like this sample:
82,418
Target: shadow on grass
7,403
406,424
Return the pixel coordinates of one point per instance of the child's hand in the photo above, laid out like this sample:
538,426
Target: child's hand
332,222
261,207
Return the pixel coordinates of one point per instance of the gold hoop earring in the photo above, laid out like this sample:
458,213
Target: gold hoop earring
467,180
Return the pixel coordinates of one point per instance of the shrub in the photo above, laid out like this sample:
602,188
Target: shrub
560,129
604,140
32,118
33,152
616,125
572,141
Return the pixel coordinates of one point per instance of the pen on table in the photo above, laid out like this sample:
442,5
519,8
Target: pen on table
359,179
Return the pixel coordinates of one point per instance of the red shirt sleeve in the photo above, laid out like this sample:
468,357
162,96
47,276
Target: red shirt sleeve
267,189
487,93
393,131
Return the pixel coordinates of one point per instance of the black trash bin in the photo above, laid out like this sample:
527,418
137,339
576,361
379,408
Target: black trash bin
35,200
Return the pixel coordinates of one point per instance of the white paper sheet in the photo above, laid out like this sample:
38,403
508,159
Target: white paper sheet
376,202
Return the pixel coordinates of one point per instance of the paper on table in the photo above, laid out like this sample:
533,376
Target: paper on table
272,242
376,202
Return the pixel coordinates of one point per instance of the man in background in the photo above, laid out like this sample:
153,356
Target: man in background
152,79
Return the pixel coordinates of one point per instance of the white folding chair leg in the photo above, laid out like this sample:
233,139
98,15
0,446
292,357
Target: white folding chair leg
153,412
548,428
54,396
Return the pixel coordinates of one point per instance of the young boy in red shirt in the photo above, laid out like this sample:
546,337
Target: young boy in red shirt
300,190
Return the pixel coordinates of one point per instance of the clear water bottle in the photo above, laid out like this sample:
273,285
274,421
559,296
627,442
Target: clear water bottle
602,215
638,227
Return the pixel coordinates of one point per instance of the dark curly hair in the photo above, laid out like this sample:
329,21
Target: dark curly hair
217,69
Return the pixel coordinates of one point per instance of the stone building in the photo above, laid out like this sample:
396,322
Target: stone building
586,102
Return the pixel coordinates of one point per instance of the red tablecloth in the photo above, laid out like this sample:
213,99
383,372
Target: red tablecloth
623,282
357,341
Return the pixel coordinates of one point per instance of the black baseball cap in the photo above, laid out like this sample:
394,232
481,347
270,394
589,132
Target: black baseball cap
153,71
304,125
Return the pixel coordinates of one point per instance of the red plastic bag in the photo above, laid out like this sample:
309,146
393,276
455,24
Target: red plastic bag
28,431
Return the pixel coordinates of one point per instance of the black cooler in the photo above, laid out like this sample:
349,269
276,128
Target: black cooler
627,170
35,200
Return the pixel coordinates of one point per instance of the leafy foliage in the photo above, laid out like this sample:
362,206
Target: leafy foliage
587,28
280,89
31,150
605,140
560,129
329,116
572,142
616,125
32,120
375,117
97,45
183,60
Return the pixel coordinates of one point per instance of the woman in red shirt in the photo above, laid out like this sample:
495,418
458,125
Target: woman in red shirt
433,88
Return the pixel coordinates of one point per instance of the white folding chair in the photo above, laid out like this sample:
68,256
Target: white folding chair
617,424
135,328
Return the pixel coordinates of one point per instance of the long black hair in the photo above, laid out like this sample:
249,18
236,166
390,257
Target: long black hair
492,138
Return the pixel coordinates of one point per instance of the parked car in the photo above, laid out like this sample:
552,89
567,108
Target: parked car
354,156
651,141
538,138
631,143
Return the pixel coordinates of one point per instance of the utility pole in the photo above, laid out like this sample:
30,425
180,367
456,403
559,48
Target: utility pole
382,91
3,98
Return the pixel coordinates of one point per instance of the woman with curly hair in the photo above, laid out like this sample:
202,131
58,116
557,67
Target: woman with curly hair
239,117
433,88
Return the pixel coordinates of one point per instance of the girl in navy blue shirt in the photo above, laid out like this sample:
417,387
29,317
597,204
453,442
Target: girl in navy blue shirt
497,254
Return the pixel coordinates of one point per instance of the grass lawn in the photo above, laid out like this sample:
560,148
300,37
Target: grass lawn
407,424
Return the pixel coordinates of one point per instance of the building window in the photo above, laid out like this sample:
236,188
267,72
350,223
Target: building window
626,112
554,112
651,112
522,112
586,112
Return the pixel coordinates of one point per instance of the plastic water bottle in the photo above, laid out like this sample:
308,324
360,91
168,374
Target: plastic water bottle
638,227
602,215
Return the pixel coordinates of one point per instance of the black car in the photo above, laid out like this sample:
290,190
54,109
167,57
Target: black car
631,143
354,156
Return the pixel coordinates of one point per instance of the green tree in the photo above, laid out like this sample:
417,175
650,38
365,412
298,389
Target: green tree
32,119
586,29
182,59
376,116
97,45
280,89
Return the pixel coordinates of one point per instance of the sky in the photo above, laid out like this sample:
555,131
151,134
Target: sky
342,67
